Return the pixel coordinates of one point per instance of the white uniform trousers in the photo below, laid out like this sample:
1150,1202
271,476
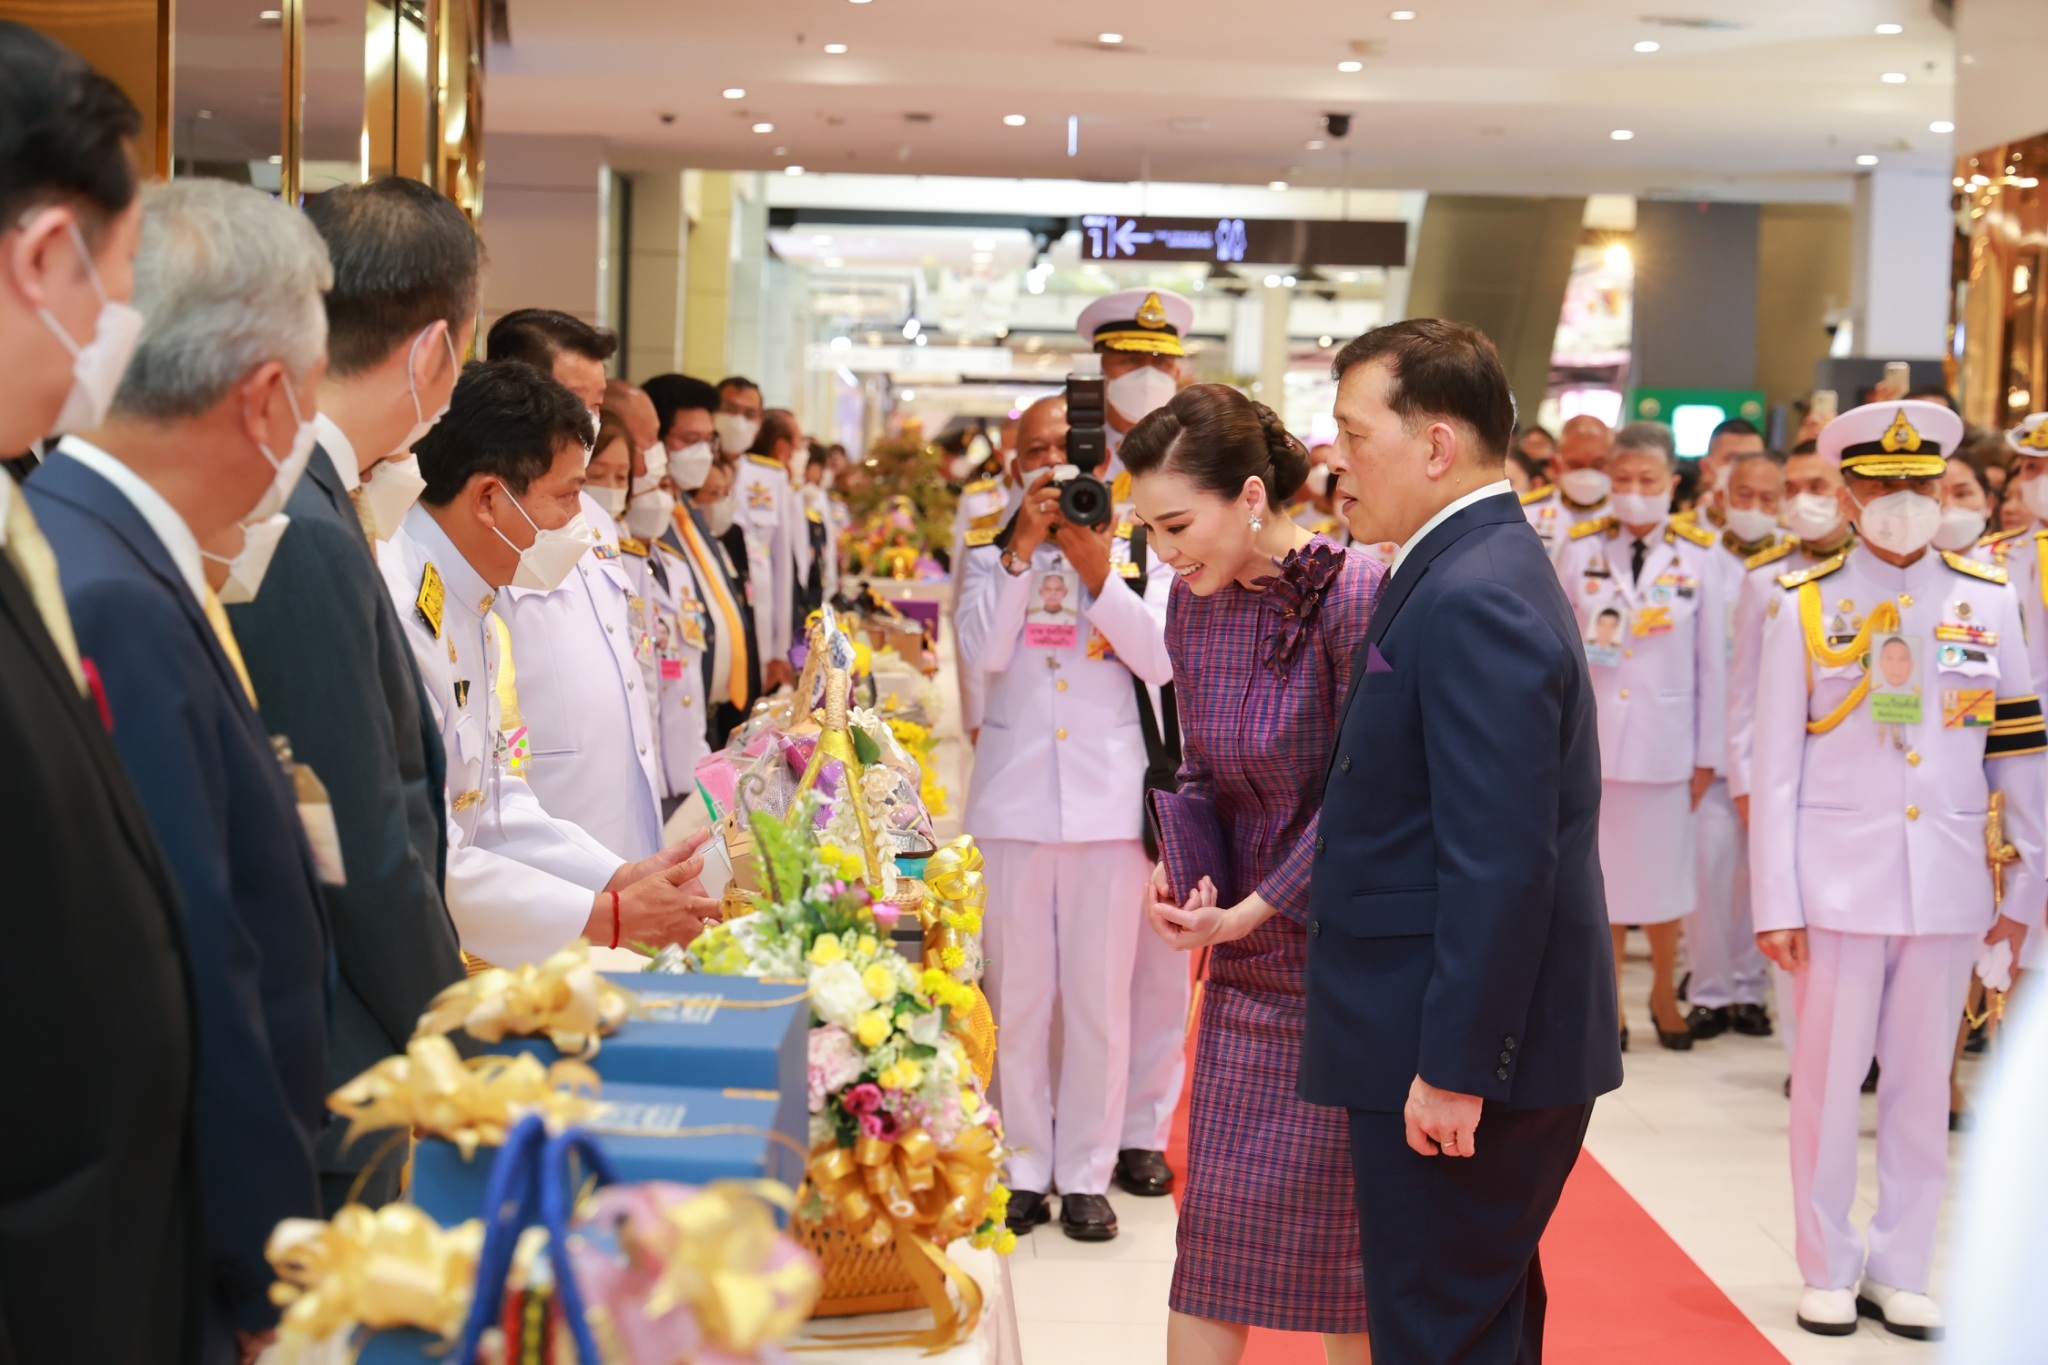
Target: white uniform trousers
1646,851
1720,937
1159,1036
1058,935
1899,997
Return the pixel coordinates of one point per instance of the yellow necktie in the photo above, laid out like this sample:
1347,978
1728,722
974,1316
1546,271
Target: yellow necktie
363,517
37,564
217,617
713,575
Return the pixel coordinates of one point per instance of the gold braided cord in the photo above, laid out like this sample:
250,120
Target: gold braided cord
1883,619
2041,556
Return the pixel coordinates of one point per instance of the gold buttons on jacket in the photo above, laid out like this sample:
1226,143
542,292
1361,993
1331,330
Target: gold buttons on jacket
1912,812
1912,758
1060,733
1905,599
1060,685
1624,694
1628,654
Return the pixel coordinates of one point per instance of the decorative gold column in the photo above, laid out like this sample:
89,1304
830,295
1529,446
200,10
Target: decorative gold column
2002,249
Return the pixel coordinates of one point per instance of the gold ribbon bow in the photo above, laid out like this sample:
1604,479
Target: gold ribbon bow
394,1267
715,1252
472,1104
1883,619
910,1192
563,997
953,875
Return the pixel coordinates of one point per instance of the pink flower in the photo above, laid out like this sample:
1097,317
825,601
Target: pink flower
886,914
835,1063
887,1126
865,1098
870,1125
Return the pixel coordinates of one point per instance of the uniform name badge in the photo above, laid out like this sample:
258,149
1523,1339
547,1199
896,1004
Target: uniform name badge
1053,620
1894,681
1603,636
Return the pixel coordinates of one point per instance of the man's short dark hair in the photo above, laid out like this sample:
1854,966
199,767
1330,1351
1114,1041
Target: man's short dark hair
1734,426
64,131
538,335
506,418
777,424
1443,371
404,258
674,393
735,381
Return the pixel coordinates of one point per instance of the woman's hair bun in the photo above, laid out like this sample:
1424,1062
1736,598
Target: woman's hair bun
1214,435
1289,455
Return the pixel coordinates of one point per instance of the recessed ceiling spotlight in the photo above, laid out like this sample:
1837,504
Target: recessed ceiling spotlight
1622,135
1272,281
1401,16
277,161
1111,38
792,170
1889,29
1866,160
782,151
1351,66
1314,144
735,93
764,127
835,49
269,15
1648,45
1276,184
1893,78
1941,125
1287,280
1013,120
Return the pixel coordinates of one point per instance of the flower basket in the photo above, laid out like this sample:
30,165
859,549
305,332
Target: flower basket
858,1278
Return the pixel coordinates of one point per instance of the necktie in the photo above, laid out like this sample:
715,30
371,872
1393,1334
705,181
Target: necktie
363,517
1635,561
37,564
217,617
713,579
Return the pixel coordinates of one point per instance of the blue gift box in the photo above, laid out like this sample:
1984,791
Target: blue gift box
650,1132
404,1346
726,1033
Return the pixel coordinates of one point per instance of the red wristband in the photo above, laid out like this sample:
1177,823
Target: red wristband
615,919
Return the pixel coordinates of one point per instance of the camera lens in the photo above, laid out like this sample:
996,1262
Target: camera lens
1084,502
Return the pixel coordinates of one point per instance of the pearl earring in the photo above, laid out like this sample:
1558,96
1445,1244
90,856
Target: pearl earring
1257,524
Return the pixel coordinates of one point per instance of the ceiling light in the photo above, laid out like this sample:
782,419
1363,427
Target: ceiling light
1287,280
1621,134
1401,16
269,14
859,2
1110,38
911,327
1866,160
735,93
910,395
1648,45
277,161
764,127
1351,66
1616,256
792,170
842,343
782,151
1325,341
1272,281
1893,78
921,338
1276,184
1315,144
1013,120
1889,29
835,49
1941,125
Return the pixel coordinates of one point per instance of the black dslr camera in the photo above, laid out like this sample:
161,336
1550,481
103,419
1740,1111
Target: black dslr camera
1085,499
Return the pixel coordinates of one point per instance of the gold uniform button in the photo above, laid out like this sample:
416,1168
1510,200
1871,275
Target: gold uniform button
1912,758
1905,599
1060,733
1624,694
1060,685
1912,812
1628,654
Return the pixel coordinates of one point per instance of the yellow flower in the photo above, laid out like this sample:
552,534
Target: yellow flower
863,658
880,984
826,951
1006,1242
902,1076
970,1105
867,947
953,959
873,1028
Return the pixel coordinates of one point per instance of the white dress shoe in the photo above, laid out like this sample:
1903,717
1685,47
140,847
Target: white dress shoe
1830,1312
1903,1314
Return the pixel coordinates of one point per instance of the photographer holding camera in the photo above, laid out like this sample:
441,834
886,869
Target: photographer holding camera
1055,804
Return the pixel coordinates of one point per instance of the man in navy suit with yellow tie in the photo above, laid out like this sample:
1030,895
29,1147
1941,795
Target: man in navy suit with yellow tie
1460,993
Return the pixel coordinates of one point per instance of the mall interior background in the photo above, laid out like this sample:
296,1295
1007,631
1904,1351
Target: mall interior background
881,210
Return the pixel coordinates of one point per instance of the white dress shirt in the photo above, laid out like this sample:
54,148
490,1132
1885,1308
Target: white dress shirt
1444,514
163,518
340,450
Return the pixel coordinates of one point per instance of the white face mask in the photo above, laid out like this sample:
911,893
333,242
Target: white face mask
97,366
655,457
649,515
1812,516
718,515
2034,493
1642,509
1586,487
735,432
799,461
284,473
1960,527
612,500
246,569
1900,523
1751,523
422,424
390,491
691,465
1137,394
553,554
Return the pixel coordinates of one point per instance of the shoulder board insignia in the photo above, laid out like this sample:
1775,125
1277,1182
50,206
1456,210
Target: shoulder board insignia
981,535
1120,489
433,594
633,545
671,551
987,519
1770,556
1594,526
1694,532
1537,494
814,516
1686,517
1812,572
764,461
1990,573
1996,537
983,486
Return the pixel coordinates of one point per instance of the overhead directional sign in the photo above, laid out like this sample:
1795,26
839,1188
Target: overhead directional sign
1227,241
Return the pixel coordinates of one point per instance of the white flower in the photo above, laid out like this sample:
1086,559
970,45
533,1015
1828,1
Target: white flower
926,1028
838,995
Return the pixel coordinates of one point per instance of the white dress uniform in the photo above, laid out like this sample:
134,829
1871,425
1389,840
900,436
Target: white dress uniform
1554,516
2022,554
1657,649
1871,836
985,506
1054,804
520,882
589,720
673,670
778,548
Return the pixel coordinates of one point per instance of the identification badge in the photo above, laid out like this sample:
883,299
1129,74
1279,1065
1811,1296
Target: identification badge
1054,620
1894,685
1603,637
1099,648
1652,619
691,628
1969,708
671,670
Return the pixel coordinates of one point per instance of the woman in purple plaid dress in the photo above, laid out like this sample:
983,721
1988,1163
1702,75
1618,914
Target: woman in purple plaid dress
1261,626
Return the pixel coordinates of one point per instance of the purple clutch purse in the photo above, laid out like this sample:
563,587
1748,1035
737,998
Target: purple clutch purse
1191,845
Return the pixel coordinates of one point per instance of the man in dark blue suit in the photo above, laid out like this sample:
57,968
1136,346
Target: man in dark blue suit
1460,995
207,431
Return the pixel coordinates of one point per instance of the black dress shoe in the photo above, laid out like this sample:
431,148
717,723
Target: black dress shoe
1704,1023
1143,1173
1624,1037
1680,1041
1087,1217
1027,1210
1751,1021
1964,1122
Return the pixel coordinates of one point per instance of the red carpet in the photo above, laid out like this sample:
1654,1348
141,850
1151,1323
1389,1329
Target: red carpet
1621,1291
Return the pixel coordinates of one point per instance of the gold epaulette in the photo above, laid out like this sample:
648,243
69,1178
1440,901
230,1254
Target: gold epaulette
1770,556
632,545
1994,537
765,461
1692,531
1538,494
1990,573
1594,526
1686,517
1813,572
982,486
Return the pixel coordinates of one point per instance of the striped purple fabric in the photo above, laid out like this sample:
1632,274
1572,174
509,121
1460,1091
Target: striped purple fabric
1268,1227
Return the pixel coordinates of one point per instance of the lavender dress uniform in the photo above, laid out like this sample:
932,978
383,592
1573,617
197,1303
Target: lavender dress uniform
1268,1232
